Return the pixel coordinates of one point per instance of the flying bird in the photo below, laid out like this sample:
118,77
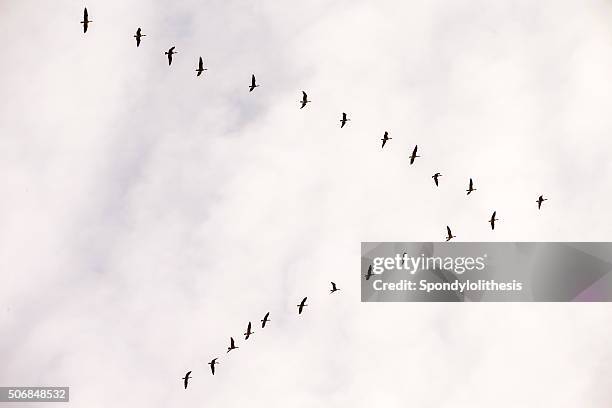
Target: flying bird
138,36
368,275
414,154
302,305
344,120
212,365
541,199
186,379
170,53
385,138
248,332
232,345
435,177
253,84
201,67
265,320
86,20
493,219
450,234
334,288
304,100
471,187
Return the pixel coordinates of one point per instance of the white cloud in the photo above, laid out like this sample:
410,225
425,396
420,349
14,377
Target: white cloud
147,214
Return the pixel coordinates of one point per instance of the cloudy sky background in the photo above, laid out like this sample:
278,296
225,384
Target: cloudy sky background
146,215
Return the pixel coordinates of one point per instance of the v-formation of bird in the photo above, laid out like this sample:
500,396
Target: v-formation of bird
249,333
343,121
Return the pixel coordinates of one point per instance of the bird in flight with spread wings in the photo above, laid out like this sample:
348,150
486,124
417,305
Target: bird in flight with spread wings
471,187
334,288
385,138
265,320
86,20
201,67
540,200
170,53
414,154
493,219
450,234
343,120
304,100
302,305
138,36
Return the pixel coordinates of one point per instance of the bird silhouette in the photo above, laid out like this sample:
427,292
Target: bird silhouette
414,154
253,84
493,219
138,36
304,100
86,20
471,187
385,138
435,177
201,67
170,53
186,379
450,234
540,200
343,120
368,275
265,320
334,288
212,365
232,345
302,305
248,333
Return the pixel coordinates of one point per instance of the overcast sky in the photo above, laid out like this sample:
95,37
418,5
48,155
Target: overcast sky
146,215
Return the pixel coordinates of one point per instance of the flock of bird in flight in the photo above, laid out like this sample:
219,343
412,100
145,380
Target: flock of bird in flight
248,333
343,121
303,102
